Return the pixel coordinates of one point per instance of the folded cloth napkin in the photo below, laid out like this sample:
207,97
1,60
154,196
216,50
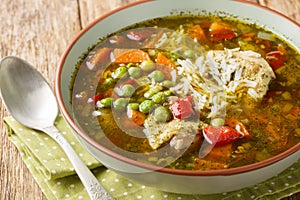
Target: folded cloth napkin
58,180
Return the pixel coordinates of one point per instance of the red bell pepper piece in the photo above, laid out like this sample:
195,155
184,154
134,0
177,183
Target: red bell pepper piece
220,135
275,59
183,108
96,98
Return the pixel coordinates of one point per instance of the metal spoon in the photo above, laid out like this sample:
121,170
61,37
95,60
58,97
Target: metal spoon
30,100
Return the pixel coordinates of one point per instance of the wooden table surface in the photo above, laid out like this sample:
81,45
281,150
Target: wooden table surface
39,31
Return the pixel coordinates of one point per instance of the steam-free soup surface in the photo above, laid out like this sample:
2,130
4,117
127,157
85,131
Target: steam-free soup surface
190,92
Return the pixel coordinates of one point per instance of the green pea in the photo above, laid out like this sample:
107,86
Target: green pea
127,90
147,65
106,102
120,103
162,114
217,122
159,98
168,93
133,106
167,83
189,53
119,72
109,82
157,75
146,106
152,91
135,72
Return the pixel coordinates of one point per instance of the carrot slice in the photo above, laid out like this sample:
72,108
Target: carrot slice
136,116
221,31
165,65
197,32
130,56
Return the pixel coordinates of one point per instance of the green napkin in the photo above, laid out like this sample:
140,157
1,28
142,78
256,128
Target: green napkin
58,180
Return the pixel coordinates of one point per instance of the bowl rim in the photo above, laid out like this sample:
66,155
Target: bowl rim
220,172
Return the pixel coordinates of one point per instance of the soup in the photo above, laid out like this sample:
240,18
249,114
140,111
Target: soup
190,92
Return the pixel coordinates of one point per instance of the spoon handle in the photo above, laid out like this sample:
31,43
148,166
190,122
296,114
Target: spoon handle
95,190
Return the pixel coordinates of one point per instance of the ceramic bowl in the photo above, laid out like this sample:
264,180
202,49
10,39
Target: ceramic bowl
178,181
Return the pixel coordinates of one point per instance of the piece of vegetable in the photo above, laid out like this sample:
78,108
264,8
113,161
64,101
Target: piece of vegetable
130,56
220,31
162,114
220,135
165,65
157,76
159,98
135,72
146,106
147,65
119,72
275,59
106,102
127,90
133,106
96,98
182,108
120,103
136,116
197,32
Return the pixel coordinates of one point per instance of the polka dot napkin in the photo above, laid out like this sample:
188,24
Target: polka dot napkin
58,180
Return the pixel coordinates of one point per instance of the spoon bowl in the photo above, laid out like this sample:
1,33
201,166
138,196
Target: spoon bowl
26,93
30,100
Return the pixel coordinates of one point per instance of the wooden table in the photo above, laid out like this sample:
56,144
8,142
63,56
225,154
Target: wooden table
39,31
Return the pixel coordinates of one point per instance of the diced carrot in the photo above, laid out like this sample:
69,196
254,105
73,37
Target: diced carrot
136,116
165,65
101,56
221,31
130,56
197,32
247,35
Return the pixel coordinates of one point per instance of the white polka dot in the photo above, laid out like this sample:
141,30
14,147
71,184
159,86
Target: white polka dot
103,180
58,164
62,159
81,154
253,197
272,183
72,185
80,197
58,183
116,180
29,157
112,189
64,132
54,192
67,195
28,139
36,150
290,177
53,171
255,187
179,198
286,184
72,143
46,138
71,169
139,197
33,133
45,161
89,164
54,147
143,187
22,144
239,195
292,168
42,144
224,193
270,191
49,154
20,129
22,154
165,196
152,196
125,193
129,185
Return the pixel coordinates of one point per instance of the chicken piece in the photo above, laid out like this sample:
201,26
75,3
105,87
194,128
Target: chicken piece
241,71
181,132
